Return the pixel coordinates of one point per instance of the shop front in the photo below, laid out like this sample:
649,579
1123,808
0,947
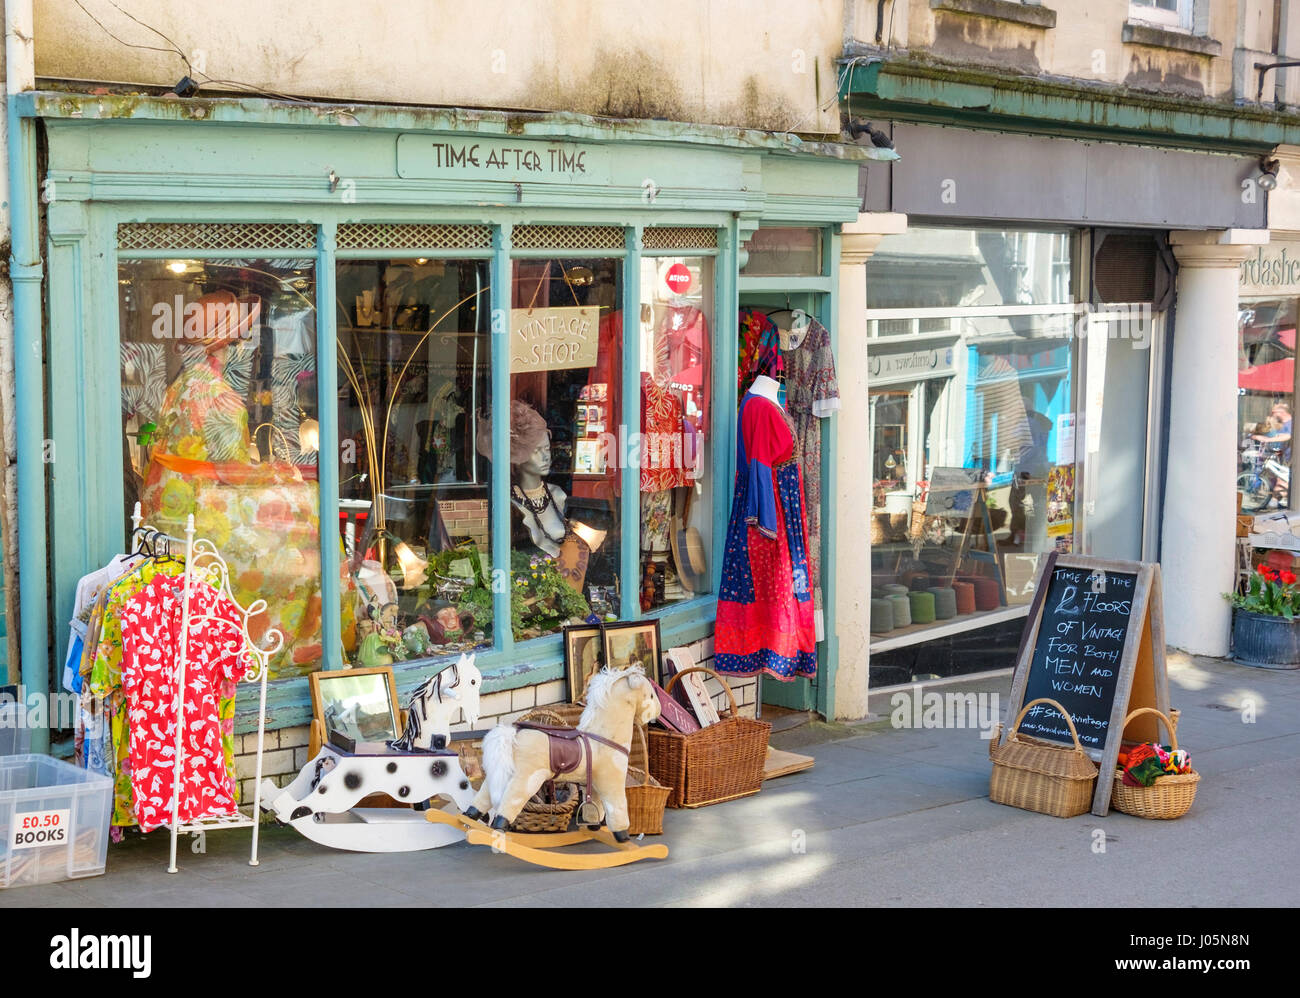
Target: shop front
434,383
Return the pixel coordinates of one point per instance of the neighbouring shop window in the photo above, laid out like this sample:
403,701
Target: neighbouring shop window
219,420
972,421
414,425
786,252
566,397
1266,341
677,344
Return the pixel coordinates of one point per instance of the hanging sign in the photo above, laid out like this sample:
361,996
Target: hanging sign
678,278
1094,642
552,339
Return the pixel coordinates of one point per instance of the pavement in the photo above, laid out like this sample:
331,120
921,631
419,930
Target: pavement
887,817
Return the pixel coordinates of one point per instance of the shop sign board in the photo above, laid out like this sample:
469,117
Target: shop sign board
1272,269
439,157
553,339
909,365
1094,642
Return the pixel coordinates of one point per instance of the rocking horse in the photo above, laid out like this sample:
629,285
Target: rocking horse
321,803
518,758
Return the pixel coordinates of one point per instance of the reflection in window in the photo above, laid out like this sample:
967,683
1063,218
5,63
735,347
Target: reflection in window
219,420
566,357
1266,398
414,499
676,372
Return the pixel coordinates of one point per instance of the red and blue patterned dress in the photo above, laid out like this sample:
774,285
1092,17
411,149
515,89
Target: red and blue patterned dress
765,606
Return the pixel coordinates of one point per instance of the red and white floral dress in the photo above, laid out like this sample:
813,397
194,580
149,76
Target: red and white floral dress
215,661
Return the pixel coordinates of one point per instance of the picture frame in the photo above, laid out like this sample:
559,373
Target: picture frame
361,704
584,654
634,641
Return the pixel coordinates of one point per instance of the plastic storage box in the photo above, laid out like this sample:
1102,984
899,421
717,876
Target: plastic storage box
53,821
15,736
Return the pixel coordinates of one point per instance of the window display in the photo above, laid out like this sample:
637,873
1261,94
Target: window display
414,404
218,415
676,384
566,356
1266,399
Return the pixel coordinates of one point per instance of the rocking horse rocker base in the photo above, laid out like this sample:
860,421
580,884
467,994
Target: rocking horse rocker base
539,848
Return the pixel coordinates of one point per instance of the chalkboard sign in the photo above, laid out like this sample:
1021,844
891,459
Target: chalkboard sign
1085,623
1094,642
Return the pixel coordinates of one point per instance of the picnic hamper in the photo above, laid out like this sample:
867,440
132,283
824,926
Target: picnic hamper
1169,796
1041,776
720,762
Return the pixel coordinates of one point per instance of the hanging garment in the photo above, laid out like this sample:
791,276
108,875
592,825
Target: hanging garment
215,659
812,393
682,359
765,610
263,516
760,349
663,461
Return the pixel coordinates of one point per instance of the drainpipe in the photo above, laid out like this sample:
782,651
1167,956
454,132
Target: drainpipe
29,375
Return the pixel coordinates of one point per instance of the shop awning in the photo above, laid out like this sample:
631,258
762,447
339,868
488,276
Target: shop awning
1277,377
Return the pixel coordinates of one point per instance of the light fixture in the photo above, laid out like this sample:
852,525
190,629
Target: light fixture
309,436
421,261
1268,171
413,565
177,266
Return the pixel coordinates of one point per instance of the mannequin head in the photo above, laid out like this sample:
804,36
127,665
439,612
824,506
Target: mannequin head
538,463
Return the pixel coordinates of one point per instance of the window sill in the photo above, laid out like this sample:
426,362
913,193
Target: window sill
1032,15
1136,33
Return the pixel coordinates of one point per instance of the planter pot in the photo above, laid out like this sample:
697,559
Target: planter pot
1265,642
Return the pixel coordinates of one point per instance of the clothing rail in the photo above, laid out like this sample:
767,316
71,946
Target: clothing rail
204,563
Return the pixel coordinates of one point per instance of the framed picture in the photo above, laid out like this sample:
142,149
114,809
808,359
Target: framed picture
584,653
633,642
358,703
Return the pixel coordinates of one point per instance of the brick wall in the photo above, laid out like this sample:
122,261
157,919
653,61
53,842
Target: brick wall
286,749
466,517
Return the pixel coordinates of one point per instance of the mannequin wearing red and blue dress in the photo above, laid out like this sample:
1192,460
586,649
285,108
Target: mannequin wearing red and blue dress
765,605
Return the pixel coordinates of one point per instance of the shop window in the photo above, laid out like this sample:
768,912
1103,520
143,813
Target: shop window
566,391
784,252
1173,14
219,421
676,385
414,428
1266,341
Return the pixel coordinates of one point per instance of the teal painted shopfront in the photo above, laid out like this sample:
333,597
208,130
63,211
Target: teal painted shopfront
413,299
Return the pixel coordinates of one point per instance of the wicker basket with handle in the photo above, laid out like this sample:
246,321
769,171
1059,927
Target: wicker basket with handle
1169,796
646,796
1041,776
720,762
539,815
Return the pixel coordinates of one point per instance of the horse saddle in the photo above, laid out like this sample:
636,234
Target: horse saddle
568,745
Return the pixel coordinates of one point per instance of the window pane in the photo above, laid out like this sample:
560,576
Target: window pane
784,251
414,438
944,268
676,384
218,416
566,362
1266,399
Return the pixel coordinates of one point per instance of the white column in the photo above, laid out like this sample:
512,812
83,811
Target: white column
852,592
1198,541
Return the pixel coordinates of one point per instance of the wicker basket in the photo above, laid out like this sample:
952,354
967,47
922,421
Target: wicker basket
879,528
1169,796
1038,775
720,762
646,796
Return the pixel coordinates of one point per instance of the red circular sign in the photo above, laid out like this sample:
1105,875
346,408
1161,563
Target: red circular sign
678,278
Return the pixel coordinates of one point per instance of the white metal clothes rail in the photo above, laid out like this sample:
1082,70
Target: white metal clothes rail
204,564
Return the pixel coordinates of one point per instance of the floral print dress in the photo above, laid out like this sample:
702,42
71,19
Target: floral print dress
263,518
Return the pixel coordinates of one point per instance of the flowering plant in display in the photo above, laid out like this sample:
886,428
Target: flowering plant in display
1271,592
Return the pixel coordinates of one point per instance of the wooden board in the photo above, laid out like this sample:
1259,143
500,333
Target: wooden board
780,763
1094,641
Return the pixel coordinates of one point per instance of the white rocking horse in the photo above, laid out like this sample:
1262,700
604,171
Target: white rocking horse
518,758
321,802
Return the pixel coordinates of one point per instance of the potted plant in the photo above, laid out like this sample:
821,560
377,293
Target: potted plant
1266,625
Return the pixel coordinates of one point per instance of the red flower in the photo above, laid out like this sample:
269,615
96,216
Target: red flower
1288,578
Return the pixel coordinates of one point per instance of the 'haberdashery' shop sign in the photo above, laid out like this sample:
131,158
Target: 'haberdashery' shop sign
1271,269
435,157
552,339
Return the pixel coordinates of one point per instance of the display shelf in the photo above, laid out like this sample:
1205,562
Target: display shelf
902,637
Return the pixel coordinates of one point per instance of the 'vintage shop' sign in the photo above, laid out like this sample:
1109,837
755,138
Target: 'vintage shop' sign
552,339
432,157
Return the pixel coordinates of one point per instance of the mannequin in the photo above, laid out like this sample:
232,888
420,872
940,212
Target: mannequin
767,387
540,504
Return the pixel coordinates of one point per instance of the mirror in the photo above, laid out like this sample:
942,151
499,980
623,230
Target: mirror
360,704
